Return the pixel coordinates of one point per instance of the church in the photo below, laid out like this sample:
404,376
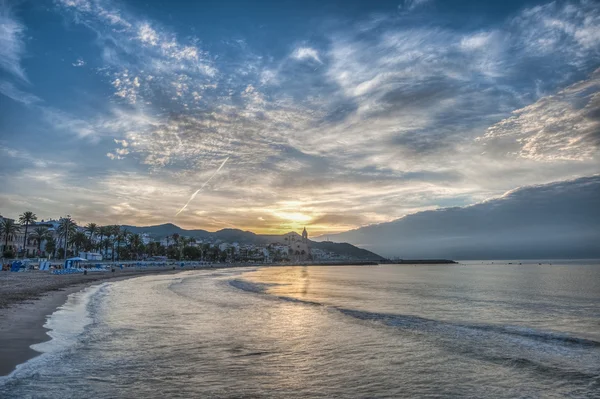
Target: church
298,248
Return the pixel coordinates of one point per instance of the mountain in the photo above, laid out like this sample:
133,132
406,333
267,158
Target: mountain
247,237
167,229
343,248
556,220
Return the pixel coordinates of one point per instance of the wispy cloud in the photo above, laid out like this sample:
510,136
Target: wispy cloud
563,126
304,53
412,4
9,90
12,46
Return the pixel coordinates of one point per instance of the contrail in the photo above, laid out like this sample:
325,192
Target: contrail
205,183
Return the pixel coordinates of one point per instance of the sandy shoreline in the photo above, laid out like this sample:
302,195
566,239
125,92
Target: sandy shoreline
26,299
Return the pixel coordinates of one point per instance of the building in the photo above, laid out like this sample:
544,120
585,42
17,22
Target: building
90,255
14,243
298,247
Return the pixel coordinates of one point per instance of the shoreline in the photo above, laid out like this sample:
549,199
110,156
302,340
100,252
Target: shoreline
27,299
23,314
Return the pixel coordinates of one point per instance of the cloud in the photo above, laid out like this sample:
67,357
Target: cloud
12,47
79,63
304,53
137,51
9,90
571,29
147,35
412,4
563,126
542,222
61,120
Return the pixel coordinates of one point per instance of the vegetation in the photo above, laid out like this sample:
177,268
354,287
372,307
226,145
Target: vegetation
27,218
91,228
80,241
66,229
51,247
8,227
40,234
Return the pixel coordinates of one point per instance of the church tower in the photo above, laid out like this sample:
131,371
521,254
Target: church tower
304,235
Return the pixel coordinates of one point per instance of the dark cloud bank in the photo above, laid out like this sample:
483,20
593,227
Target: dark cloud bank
557,220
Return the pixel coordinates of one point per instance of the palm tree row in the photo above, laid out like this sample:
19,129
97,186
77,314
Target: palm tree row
122,243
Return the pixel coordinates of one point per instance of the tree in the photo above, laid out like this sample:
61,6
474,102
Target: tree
78,240
191,253
115,232
104,231
91,228
51,246
135,244
173,253
107,242
8,227
119,237
27,218
40,234
66,228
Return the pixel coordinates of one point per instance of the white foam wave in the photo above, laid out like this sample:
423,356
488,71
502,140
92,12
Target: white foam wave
66,324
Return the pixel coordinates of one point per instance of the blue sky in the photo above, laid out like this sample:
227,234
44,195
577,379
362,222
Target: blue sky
331,114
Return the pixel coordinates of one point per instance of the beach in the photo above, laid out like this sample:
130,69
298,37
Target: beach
458,330
27,299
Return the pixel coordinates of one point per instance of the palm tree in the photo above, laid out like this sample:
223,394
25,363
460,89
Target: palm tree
114,231
40,234
51,246
104,231
8,227
106,243
91,228
121,237
117,237
27,218
78,240
66,228
135,242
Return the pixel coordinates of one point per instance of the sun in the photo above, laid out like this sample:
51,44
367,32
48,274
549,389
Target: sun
292,216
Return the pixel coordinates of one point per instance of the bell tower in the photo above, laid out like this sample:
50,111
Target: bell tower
304,235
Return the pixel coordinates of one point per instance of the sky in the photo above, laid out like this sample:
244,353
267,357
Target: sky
274,115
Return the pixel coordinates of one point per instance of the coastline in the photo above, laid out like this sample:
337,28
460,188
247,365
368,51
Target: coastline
27,299
23,312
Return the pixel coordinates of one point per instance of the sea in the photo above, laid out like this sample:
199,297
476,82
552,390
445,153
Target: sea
501,329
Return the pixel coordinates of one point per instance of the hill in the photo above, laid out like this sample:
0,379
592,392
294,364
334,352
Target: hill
158,232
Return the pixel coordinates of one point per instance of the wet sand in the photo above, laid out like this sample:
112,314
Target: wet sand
27,299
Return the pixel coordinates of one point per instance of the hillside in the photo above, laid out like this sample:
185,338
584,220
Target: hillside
247,237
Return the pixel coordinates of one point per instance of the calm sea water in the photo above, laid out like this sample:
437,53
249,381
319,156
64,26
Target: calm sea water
470,330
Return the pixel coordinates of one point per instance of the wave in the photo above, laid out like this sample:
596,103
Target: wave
412,322
257,288
420,323
66,326
262,288
550,354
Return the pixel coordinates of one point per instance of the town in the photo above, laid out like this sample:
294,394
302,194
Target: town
62,238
